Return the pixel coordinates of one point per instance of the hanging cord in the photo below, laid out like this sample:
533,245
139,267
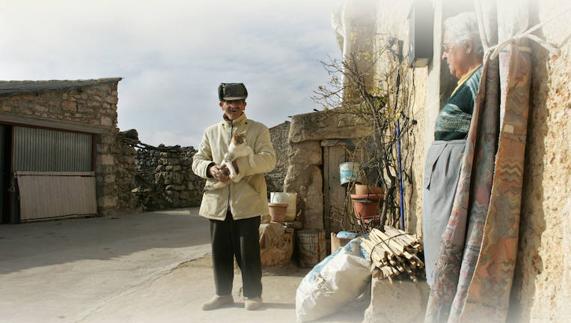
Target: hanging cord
553,49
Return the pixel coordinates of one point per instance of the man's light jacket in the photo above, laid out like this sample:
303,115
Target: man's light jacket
248,197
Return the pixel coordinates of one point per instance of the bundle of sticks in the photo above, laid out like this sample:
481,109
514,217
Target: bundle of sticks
392,253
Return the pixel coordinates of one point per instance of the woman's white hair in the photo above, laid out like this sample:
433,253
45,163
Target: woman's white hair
463,28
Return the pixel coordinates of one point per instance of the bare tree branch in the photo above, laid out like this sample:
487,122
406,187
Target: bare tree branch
380,105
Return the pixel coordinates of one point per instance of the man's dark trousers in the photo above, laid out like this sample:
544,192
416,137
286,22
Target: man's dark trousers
236,238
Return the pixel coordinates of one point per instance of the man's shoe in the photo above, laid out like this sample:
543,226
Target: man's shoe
252,304
218,302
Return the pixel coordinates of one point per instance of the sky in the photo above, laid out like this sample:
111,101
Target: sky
172,54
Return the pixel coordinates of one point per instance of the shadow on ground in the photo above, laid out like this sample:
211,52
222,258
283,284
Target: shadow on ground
38,244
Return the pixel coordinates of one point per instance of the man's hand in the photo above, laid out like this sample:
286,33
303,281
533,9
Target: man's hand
220,173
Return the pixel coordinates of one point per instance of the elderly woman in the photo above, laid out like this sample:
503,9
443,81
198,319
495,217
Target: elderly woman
463,52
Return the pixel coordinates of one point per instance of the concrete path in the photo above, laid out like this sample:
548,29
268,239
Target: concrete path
150,267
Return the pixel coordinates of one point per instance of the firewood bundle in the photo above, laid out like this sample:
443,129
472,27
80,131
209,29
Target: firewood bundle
392,253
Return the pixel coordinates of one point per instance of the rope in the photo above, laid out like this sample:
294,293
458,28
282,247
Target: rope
554,50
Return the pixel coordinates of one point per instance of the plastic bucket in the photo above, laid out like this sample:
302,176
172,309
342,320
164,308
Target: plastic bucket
289,199
348,172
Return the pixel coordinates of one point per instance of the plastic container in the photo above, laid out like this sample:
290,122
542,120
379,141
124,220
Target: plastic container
348,172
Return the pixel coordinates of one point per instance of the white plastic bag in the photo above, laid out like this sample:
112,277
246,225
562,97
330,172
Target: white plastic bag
331,284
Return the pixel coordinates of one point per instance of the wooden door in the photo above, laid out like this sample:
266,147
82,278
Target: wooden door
337,209
334,153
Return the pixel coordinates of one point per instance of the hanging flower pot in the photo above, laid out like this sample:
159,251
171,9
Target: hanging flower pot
366,206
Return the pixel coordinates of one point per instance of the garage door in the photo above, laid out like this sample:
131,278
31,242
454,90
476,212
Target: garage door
54,171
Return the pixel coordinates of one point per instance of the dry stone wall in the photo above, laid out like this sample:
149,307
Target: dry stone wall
165,178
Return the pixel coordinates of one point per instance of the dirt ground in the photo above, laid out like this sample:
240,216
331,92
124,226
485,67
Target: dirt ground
149,267
178,296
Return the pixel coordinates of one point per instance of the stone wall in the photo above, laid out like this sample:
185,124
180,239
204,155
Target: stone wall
390,18
87,106
542,285
125,176
414,187
276,178
165,179
305,174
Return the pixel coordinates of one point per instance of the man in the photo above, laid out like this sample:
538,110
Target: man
234,210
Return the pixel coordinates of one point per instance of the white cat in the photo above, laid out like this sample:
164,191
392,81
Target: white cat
238,148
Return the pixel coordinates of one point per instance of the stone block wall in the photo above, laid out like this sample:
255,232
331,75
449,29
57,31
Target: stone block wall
276,178
165,179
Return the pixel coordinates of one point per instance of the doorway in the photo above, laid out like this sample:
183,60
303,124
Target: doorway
5,148
336,208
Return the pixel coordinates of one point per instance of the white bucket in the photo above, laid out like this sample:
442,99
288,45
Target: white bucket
290,199
348,172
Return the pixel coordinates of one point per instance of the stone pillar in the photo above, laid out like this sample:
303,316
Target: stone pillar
304,176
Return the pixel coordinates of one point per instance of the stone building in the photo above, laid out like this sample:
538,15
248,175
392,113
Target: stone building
542,278
60,152
543,271
318,144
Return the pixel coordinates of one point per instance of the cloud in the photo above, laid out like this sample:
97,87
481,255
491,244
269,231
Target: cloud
172,54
